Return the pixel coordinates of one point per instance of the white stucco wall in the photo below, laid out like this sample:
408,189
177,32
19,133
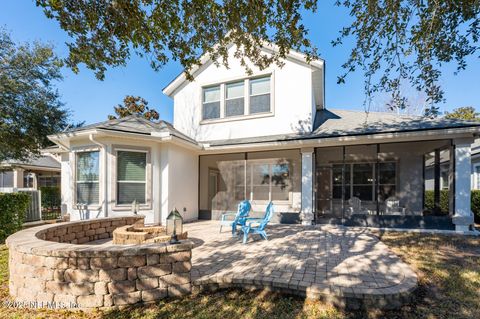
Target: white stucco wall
292,94
172,180
179,173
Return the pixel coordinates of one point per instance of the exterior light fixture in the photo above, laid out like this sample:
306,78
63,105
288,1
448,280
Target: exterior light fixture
174,225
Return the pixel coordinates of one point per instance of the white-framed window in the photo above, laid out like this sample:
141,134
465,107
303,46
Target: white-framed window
28,179
131,177
87,177
360,180
234,99
246,97
263,180
260,95
48,180
6,178
211,103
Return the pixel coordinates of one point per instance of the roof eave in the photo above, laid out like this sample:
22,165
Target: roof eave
59,139
387,137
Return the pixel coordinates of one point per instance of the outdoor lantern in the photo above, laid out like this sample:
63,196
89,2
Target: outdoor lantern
135,207
174,225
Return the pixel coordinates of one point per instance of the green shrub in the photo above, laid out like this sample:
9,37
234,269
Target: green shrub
13,207
475,202
429,201
51,202
476,205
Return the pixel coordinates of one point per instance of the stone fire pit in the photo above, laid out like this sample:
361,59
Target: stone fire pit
139,234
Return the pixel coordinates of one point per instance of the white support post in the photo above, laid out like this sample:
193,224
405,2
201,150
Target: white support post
306,214
463,217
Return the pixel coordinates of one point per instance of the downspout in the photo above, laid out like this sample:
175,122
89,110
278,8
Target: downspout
105,173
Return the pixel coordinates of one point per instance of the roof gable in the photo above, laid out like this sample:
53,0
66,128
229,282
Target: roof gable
205,60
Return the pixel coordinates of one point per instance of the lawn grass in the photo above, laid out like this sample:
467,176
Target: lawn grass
449,287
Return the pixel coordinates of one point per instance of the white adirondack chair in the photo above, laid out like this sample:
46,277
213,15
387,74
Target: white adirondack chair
355,206
392,207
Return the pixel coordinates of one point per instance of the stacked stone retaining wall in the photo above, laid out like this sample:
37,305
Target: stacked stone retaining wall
58,266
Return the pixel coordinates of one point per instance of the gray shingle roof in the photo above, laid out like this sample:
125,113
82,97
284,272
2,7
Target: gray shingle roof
342,122
337,123
45,161
135,124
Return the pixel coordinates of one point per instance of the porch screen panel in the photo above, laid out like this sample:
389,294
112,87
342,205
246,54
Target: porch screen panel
131,177
387,180
281,183
363,181
362,161
260,180
330,181
87,177
275,177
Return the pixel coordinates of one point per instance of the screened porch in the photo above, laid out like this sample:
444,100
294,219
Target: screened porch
384,185
260,177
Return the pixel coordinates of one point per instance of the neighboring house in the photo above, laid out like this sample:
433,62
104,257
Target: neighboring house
33,174
444,164
264,137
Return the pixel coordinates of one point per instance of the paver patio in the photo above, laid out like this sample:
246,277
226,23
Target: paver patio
346,266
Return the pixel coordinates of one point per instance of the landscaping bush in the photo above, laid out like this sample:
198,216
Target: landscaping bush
476,205
51,202
13,207
475,202
429,201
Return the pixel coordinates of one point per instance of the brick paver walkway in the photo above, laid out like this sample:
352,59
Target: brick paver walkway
349,267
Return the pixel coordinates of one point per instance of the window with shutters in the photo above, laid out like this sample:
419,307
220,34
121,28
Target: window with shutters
131,177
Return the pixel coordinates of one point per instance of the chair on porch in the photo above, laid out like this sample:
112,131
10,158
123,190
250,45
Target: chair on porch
355,207
392,207
257,225
236,219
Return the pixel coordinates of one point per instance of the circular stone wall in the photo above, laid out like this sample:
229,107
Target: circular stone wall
57,266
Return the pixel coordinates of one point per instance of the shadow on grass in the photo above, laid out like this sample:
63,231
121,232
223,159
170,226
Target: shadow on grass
448,268
232,303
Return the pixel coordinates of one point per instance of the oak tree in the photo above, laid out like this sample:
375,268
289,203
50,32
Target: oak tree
30,106
394,41
134,105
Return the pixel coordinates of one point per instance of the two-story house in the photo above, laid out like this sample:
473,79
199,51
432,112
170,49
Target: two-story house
265,137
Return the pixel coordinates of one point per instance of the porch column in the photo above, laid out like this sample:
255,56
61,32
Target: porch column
306,214
18,177
436,183
463,217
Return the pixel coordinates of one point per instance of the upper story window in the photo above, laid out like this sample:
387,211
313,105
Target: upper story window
131,177
211,103
260,95
234,99
87,175
240,98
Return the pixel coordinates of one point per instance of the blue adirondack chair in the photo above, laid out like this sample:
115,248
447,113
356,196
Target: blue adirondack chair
239,217
257,225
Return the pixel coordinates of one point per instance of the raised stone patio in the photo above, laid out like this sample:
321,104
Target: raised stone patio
346,266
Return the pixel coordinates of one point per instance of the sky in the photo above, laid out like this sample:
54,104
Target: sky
91,100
